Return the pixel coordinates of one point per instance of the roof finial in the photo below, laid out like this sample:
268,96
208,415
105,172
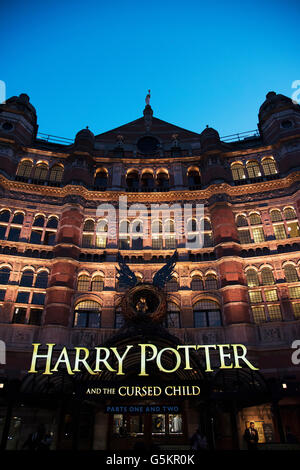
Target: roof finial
148,98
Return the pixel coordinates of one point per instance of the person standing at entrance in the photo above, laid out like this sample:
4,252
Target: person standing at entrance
251,437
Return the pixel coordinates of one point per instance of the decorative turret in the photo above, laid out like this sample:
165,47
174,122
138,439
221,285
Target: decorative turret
279,121
214,168
18,120
148,113
85,140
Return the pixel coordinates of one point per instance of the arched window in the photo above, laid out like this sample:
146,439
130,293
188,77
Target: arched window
27,278
124,237
83,283
52,222
238,171
101,233
252,278
254,219
241,221
18,218
162,180
157,226
39,221
147,180
172,285
40,172
24,169
207,224
269,166
267,277
211,281
101,179
197,282
97,283
276,215
4,275
173,316
4,216
119,319
194,178
206,313
253,169
89,226
87,314
289,213
169,226
41,280
56,174
192,225
132,180
290,273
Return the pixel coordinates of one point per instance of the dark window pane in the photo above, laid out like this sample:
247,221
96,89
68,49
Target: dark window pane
49,238
42,280
39,221
2,232
38,299
52,222
27,279
19,315
200,319
14,234
36,236
35,316
4,275
4,216
22,297
2,294
18,218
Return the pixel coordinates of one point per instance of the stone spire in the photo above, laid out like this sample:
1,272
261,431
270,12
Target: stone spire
148,113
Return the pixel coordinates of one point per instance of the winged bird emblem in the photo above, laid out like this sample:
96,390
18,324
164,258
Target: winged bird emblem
127,278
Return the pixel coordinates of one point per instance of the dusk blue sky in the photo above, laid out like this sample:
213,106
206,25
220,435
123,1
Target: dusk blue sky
92,62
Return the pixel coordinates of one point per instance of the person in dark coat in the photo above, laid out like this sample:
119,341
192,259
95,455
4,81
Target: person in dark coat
251,437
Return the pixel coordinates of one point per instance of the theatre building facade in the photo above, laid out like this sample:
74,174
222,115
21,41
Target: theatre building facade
59,281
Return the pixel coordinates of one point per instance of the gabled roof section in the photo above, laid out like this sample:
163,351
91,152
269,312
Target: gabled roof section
135,129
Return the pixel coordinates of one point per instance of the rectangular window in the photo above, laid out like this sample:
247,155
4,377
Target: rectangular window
200,319
157,243
36,236
259,315
170,243
14,234
19,315
124,243
38,299
244,236
35,317
279,231
22,298
296,309
101,241
294,292
119,320
255,296
2,294
293,229
2,232
258,235
87,241
158,424
274,312
173,320
208,240
271,295
214,318
49,238
175,424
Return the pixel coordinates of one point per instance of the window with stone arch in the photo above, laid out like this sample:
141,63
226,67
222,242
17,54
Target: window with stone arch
124,235
269,166
27,277
41,172
289,213
97,283
255,218
172,285
290,273
267,276
173,315
132,180
5,274
87,314
162,179
24,169
252,277
211,281
253,169
101,233
207,313
56,173
83,283
88,233
241,221
41,280
101,179
238,171
42,231
194,178
276,215
197,282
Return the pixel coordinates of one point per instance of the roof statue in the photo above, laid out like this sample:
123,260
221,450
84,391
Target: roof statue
147,99
128,279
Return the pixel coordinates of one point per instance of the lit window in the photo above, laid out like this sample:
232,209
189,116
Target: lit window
255,219
255,296
276,215
252,278
269,166
241,221
24,169
244,236
211,282
271,295
170,243
83,283
289,213
274,312
267,277
56,174
290,273
258,235
238,172
40,172
197,283
253,169
89,226
279,231
293,229
259,315
97,283
296,309
87,240
294,292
